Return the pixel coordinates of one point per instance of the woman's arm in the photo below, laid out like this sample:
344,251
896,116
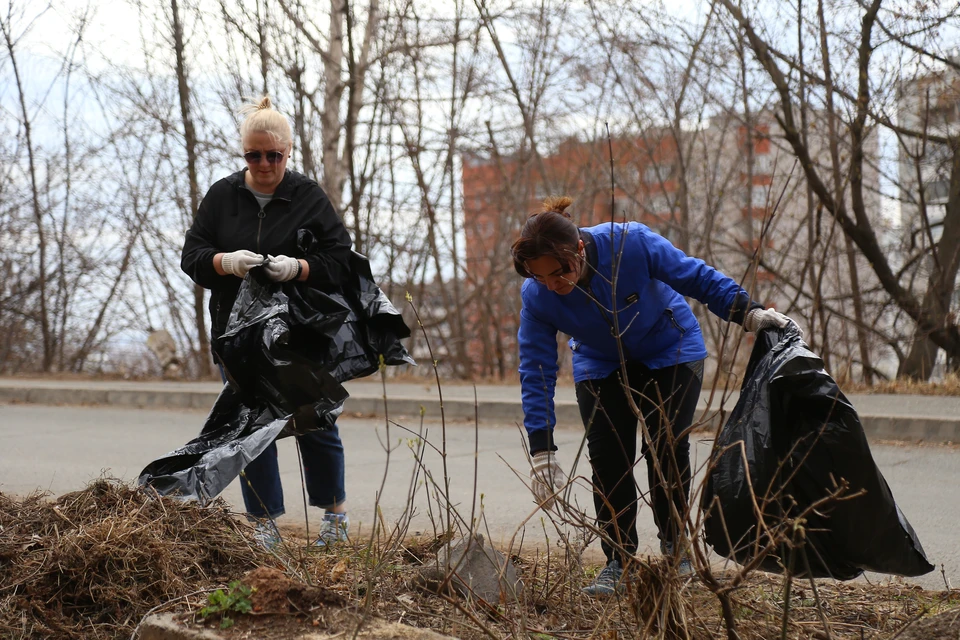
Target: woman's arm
327,263
694,278
537,343
200,257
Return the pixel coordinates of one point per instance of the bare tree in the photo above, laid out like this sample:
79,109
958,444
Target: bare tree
11,38
846,201
190,144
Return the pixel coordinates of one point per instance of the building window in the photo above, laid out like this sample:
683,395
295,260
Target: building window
623,208
762,164
759,197
937,192
750,227
657,172
659,204
629,176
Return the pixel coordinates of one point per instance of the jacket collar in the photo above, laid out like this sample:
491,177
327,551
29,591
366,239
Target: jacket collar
590,256
284,191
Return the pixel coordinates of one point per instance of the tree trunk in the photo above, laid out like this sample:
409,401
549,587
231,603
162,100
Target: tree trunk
858,313
264,51
356,78
190,142
308,164
330,121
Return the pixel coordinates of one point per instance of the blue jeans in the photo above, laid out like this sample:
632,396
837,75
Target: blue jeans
323,473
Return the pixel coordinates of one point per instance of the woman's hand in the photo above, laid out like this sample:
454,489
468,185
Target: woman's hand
238,262
546,477
764,319
282,268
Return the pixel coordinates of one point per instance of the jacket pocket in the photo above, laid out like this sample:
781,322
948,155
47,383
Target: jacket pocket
673,320
220,313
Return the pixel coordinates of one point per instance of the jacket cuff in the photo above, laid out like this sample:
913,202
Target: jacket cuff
324,274
206,274
541,440
741,307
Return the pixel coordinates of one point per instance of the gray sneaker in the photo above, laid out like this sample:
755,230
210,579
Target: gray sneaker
333,529
608,582
684,566
266,535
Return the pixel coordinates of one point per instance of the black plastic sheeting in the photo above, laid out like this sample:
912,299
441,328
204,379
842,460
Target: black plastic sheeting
799,437
286,350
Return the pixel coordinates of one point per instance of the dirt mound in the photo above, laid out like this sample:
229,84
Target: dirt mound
945,626
91,563
275,592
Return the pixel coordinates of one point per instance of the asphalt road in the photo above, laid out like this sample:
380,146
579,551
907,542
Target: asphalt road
61,449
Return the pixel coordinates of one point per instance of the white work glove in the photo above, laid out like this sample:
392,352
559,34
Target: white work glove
282,268
764,319
239,262
546,477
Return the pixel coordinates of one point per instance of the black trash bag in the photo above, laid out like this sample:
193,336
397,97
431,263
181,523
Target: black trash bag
285,352
275,350
372,328
233,435
799,438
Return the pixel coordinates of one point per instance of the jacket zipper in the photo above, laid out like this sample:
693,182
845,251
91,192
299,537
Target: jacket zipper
676,324
261,215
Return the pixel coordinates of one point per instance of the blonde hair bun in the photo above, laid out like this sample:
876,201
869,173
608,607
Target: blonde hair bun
259,116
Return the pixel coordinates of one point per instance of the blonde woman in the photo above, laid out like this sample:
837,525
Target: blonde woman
244,218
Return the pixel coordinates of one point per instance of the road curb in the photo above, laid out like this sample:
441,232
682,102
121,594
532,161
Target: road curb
908,428
141,399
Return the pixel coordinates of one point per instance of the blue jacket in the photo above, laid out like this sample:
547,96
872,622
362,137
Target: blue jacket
658,327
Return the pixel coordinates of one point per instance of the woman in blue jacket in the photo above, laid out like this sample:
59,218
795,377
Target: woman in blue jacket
570,288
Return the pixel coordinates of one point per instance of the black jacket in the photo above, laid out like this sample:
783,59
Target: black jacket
230,219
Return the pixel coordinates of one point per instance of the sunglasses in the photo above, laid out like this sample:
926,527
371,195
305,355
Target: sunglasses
273,157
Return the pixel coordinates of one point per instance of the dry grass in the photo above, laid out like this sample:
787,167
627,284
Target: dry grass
90,564
949,386
659,604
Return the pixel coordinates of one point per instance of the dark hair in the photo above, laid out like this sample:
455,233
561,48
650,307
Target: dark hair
549,233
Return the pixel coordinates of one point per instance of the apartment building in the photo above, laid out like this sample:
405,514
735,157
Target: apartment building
929,104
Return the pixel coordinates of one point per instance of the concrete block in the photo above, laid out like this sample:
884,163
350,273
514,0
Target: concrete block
163,626
14,395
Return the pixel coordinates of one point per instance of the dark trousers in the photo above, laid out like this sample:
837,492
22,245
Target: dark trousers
667,399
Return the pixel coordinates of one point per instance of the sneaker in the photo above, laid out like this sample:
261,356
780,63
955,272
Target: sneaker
684,565
333,529
266,535
608,582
